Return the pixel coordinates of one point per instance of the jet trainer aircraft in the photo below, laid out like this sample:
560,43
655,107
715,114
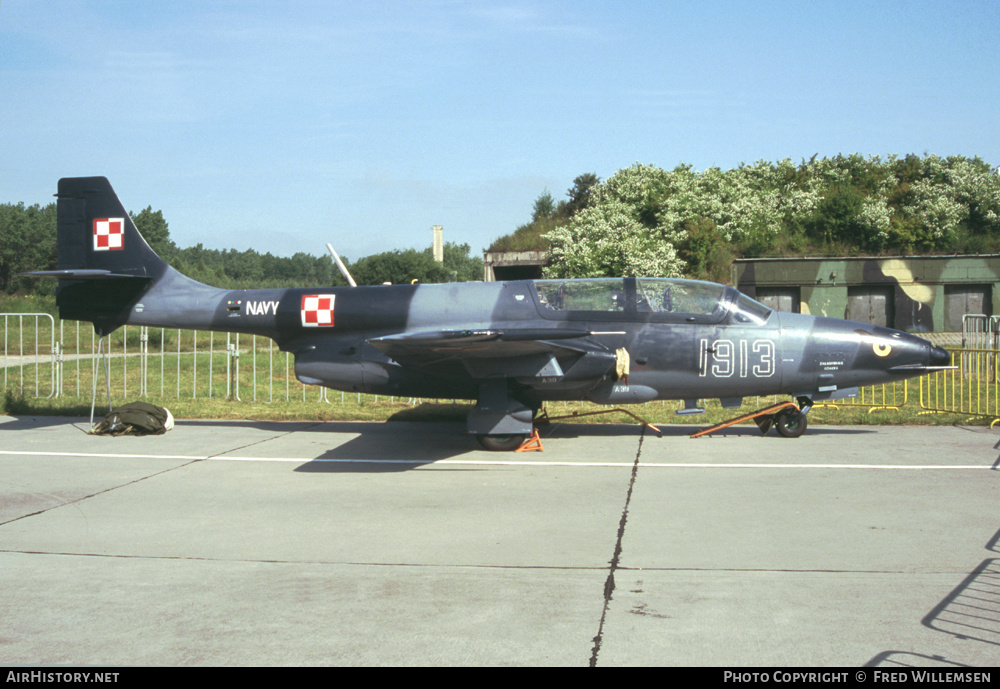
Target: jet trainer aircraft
508,345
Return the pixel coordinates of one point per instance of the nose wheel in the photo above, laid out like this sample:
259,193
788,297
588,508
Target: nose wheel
787,417
790,423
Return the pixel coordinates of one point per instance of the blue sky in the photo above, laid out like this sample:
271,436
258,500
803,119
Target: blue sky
282,126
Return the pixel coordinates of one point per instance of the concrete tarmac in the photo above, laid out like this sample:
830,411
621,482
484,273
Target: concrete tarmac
261,543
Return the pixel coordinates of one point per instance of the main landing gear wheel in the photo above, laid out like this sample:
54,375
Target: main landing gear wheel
502,443
790,423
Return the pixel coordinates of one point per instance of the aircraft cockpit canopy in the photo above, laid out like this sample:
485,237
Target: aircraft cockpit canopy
746,310
656,299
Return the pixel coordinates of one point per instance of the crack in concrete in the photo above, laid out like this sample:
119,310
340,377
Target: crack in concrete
609,583
144,478
100,492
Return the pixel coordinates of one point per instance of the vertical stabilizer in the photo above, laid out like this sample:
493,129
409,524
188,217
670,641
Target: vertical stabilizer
106,268
95,232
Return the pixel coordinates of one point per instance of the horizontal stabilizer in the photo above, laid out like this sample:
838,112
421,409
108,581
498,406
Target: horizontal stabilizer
80,274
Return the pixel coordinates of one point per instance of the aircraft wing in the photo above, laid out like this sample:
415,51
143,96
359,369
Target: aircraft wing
565,354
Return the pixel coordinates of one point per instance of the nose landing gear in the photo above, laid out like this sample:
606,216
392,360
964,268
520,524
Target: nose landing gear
788,418
790,423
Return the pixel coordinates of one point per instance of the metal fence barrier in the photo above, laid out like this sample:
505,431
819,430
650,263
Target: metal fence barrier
970,388
40,351
980,331
875,397
53,359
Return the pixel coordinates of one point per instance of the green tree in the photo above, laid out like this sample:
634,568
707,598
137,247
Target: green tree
397,267
707,254
154,230
544,207
408,265
246,267
459,265
579,194
837,218
27,243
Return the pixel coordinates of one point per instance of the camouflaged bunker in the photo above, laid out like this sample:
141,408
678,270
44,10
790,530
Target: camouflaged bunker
922,294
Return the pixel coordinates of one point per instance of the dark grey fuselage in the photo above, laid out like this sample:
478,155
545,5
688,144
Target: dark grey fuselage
672,356
508,345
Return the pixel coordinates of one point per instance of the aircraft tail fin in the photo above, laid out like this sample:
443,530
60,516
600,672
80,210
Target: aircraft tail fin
95,232
105,266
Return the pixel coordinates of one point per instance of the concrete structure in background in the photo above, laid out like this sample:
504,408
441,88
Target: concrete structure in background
920,294
514,265
438,231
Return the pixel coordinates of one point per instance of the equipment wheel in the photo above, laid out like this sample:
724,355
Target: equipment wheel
502,443
790,423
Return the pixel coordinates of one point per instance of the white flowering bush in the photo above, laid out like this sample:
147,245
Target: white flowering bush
876,219
608,241
635,221
977,188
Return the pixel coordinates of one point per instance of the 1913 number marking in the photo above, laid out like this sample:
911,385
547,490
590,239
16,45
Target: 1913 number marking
743,358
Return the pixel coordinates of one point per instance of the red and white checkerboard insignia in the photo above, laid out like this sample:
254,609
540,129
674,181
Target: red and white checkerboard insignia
109,234
317,310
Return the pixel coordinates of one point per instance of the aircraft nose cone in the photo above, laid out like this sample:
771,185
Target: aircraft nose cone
939,356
